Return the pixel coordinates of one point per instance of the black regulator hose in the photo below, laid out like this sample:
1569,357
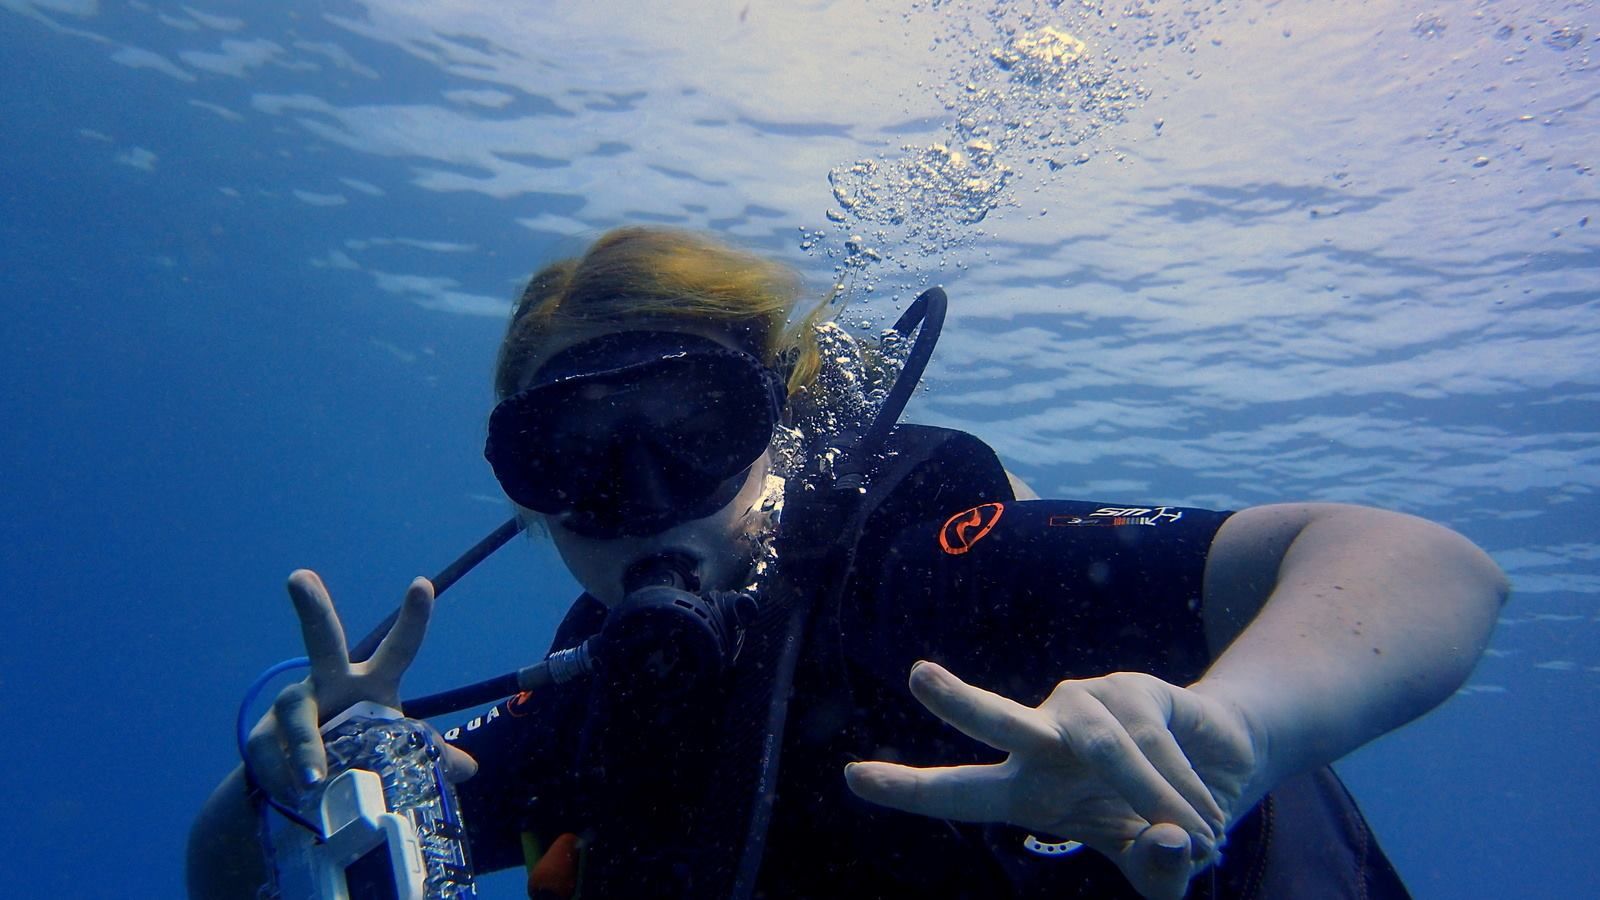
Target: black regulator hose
663,634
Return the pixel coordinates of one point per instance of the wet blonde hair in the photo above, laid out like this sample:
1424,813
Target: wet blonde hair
651,276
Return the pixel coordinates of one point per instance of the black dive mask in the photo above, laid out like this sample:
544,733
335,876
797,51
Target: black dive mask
635,432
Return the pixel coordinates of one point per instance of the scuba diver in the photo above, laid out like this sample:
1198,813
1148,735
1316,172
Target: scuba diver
821,653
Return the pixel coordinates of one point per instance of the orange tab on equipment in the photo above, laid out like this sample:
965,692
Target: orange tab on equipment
964,529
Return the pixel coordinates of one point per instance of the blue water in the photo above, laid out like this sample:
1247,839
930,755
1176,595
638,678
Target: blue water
254,260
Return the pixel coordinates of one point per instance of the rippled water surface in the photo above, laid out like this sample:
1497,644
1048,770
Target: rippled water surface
255,257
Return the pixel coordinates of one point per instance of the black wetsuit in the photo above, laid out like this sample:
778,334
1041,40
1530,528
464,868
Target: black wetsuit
1012,596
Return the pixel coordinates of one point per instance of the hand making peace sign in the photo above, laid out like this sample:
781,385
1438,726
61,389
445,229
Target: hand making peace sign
1145,772
285,747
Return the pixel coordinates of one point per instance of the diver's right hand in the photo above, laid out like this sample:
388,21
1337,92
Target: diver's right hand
285,747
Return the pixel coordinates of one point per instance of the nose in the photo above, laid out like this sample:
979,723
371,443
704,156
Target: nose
645,480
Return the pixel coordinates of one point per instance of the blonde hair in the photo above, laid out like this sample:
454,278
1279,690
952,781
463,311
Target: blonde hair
638,275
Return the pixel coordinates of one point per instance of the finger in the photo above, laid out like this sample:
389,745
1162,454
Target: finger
1148,718
965,793
319,626
1158,863
1195,720
1102,742
264,752
399,647
998,721
296,713
1161,748
458,764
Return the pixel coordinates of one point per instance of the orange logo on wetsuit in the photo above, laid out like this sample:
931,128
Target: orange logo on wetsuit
964,529
515,704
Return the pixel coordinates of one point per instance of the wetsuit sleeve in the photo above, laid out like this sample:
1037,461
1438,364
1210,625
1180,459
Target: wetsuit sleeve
1016,596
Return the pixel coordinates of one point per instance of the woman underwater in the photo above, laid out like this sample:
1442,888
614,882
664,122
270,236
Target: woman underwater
1125,701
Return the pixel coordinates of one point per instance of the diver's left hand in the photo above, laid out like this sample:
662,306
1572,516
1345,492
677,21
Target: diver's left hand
1143,771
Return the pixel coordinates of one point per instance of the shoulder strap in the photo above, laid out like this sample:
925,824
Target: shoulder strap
930,471
926,473
915,460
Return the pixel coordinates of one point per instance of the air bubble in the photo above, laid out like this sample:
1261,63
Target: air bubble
1565,37
1029,84
1428,26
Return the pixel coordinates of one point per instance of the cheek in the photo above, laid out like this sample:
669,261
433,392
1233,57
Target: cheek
592,563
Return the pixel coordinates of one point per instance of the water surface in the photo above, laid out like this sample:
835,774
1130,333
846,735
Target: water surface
255,257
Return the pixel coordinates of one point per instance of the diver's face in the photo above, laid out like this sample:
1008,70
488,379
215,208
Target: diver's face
723,543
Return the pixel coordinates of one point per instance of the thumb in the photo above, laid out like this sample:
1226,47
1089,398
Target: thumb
458,764
1158,862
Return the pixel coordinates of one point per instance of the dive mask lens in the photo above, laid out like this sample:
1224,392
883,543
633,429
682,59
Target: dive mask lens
636,427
